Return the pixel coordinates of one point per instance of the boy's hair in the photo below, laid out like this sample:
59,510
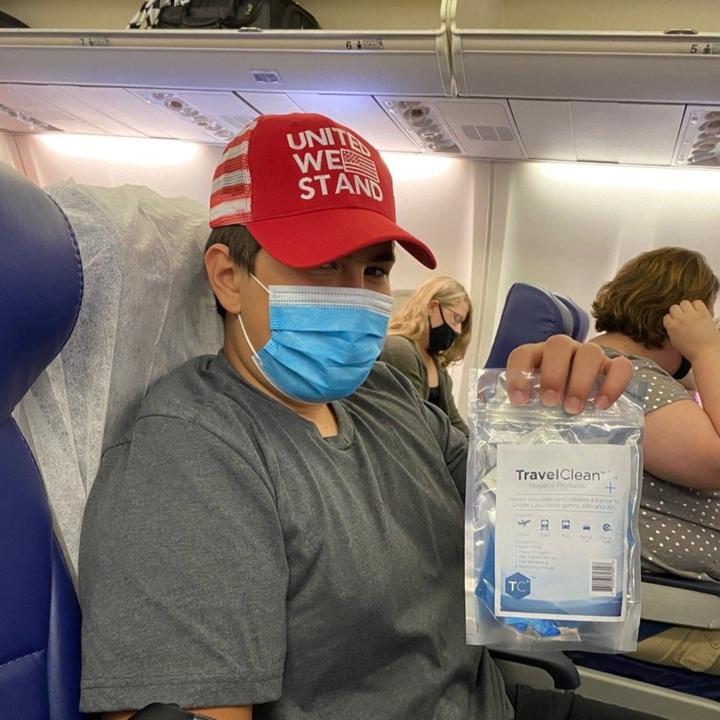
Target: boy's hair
637,299
412,320
243,250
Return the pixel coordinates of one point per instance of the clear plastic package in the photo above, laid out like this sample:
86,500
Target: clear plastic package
552,555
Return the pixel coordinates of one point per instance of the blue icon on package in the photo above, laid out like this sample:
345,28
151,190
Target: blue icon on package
517,585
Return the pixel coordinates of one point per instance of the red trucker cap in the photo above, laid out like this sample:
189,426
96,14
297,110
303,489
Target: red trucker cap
309,190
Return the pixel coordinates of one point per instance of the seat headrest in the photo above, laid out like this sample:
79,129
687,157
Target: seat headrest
41,284
581,321
532,314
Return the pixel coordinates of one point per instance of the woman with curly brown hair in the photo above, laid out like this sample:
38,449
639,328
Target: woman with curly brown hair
428,334
657,311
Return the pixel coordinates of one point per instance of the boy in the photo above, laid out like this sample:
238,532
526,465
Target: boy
281,534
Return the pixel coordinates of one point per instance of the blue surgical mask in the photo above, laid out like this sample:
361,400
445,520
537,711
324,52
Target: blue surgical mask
323,340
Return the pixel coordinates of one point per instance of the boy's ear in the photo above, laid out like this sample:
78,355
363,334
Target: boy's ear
224,277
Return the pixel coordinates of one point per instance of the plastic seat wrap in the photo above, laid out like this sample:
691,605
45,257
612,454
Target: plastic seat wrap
147,308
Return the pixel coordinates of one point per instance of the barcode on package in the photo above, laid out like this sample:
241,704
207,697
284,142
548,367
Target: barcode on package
602,577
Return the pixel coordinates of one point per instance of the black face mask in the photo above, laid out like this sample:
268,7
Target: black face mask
684,369
441,337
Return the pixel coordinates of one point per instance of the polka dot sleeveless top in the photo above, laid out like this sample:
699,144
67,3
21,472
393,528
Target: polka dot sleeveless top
679,527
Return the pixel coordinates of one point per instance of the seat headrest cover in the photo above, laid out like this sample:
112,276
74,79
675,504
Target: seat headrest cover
147,308
581,320
531,314
41,284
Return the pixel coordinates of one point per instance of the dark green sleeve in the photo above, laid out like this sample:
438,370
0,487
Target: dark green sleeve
402,354
449,402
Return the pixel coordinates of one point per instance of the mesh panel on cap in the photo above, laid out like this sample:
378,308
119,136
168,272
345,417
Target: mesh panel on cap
230,201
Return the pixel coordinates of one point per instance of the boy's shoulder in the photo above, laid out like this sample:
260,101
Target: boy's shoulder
386,379
206,391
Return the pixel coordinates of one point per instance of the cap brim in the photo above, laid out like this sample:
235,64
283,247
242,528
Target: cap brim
315,238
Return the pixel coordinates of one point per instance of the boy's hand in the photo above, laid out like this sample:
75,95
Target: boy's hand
568,370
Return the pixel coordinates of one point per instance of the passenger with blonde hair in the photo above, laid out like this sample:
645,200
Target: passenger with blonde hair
427,335
657,311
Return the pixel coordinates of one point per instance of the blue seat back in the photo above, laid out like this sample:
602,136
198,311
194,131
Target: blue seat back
41,286
532,314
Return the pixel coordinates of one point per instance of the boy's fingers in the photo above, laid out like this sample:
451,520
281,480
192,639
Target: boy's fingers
618,373
568,371
557,361
588,361
523,359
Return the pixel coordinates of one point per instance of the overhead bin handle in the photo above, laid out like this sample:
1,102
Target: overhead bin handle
681,31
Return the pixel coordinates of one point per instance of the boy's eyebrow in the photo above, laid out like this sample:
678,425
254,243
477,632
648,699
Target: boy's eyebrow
385,256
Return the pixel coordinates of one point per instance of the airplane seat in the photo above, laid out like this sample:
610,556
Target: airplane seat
41,288
581,320
532,314
146,308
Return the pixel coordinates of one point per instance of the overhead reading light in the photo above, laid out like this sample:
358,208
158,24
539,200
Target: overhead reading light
422,121
122,150
186,111
700,143
25,119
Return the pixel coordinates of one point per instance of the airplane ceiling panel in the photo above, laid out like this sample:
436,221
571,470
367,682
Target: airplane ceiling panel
631,133
205,116
628,133
474,128
546,129
142,116
9,122
699,140
269,103
362,114
93,120
483,128
34,113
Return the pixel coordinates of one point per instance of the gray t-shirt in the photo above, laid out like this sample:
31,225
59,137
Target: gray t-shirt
232,555
679,526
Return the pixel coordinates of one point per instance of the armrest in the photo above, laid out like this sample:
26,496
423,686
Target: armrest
677,601
560,668
701,586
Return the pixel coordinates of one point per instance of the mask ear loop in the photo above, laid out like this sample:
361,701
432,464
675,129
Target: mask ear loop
242,324
259,283
442,314
245,335
256,357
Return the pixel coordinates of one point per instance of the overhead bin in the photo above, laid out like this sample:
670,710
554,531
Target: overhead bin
363,48
643,51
